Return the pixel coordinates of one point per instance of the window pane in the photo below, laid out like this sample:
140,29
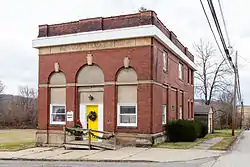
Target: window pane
127,119
164,61
58,109
163,114
180,112
180,71
127,109
58,118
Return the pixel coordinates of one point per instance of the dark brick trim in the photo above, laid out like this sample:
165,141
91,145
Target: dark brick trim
114,22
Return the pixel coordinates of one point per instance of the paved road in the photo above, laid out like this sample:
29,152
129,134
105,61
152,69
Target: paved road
97,164
238,157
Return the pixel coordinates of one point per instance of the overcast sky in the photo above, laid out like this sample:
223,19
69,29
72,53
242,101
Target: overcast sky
19,22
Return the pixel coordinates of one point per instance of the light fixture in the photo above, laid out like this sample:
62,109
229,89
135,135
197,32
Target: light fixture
91,97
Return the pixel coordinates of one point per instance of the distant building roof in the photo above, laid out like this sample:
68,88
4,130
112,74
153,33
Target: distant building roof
201,109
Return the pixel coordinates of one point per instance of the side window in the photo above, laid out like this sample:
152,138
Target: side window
192,77
180,71
165,62
164,114
180,112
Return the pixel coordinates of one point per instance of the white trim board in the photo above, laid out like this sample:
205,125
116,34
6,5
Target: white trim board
114,34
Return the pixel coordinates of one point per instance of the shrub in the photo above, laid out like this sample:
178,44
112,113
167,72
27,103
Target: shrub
198,128
204,130
182,130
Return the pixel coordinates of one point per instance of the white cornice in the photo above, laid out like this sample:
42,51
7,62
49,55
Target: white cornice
114,34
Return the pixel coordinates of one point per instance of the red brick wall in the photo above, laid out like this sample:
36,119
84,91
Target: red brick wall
151,97
110,61
171,78
43,108
157,108
172,102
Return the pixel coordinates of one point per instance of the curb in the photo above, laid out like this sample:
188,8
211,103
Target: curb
123,161
78,160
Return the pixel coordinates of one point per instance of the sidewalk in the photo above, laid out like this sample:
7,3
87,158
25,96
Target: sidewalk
123,154
208,143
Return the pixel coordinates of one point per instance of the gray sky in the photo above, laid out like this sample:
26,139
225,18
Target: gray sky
19,22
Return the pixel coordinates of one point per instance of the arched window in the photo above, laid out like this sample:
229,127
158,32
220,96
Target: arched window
57,85
127,98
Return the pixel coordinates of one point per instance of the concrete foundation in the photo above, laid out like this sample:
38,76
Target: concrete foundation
56,138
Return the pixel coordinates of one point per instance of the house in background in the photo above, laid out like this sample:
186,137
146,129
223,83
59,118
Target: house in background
129,71
204,113
245,116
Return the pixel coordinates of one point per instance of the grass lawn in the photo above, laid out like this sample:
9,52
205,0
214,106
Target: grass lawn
177,145
227,140
17,139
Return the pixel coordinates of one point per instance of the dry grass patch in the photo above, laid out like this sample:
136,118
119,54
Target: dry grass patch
17,139
16,146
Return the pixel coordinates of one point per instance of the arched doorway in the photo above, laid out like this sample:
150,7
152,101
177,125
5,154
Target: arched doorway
90,83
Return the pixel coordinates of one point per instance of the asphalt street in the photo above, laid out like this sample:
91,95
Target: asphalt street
239,156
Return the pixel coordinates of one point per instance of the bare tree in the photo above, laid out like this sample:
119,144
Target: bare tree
28,103
224,107
211,73
1,87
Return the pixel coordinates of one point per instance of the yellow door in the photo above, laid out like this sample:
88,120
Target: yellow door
92,118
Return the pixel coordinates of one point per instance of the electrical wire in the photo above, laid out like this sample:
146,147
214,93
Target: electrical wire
210,3
209,23
217,24
224,23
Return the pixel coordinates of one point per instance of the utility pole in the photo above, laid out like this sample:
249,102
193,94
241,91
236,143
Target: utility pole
235,89
241,114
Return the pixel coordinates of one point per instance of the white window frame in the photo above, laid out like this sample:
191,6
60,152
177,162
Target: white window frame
51,112
164,112
118,115
165,62
180,111
180,71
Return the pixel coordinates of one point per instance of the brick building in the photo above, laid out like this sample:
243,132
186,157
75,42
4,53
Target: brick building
129,70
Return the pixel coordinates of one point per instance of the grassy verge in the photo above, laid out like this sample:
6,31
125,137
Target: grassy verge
226,142
15,146
180,145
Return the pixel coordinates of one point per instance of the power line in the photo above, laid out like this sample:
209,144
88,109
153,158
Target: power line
217,24
229,44
224,23
235,67
209,23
